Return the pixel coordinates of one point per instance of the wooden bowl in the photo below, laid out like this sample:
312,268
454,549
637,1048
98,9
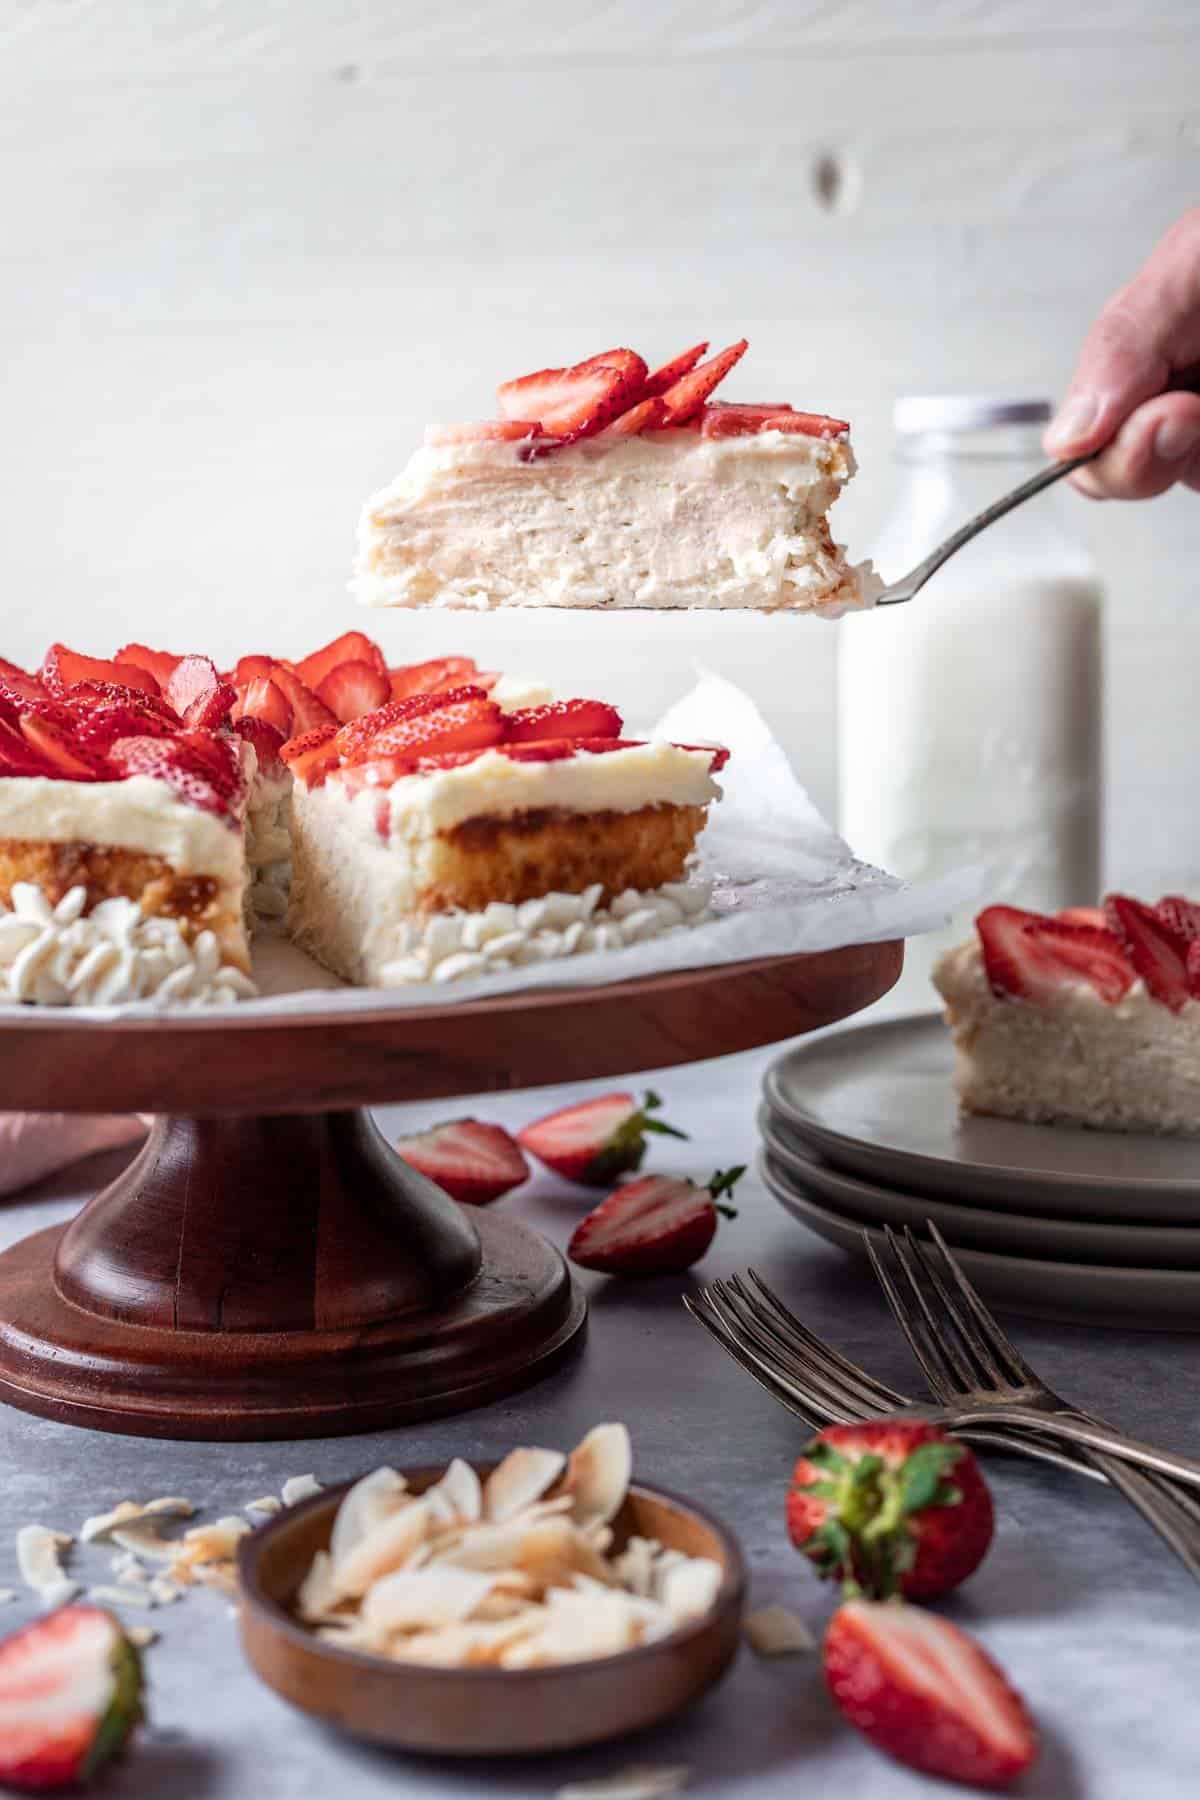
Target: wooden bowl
485,1712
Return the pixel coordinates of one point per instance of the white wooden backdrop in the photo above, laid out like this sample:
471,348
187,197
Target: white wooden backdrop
247,247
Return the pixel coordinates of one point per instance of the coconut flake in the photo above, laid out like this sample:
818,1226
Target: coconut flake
300,1487
268,1505
524,1476
369,1502
776,1631
141,1635
598,1472
39,1552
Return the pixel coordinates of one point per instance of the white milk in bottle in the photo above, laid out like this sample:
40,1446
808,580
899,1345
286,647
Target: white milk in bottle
970,717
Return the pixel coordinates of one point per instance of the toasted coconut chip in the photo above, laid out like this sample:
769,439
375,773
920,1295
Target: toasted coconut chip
220,1575
634,1568
126,1567
121,1596
472,1644
577,1626
171,1506
268,1504
457,1499
141,1635
39,1551
199,1553
375,1498
524,1476
141,1539
641,1781
384,1549
597,1474
689,1588
300,1487
776,1631
317,1596
423,1599
164,1592
100,1524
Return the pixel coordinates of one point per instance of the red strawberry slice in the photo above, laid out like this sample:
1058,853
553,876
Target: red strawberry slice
261,699
1193,969
1084,915
733,419
670,372
563,719
1158,953
576,402
924,1692
1181,916
354,739
307,711
1031,957
806,424
177,764
266,739
161,663
890,1506
60,748
657,1225
718,752
17,754
62,668
18,688
252,668
597,1140
191,679
352,689
424,678
311,756
210,710
471,724
70,1695
540,751
352,646
218,757
473,1162
479,431
647,415
684,398
103,723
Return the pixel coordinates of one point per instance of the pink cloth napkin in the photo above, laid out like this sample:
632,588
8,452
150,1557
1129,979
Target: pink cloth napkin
35,1144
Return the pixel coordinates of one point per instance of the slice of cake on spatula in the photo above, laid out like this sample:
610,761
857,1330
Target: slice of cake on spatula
611,485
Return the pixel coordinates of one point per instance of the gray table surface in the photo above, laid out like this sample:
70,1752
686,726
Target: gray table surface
1094,1621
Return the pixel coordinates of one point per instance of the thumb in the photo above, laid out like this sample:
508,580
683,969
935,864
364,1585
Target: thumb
1145,333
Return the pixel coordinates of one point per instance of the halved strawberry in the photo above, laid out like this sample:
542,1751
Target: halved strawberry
657,1225
597,1140
60,748
684,398
1157,952
312,755
352,646
352,689
660,379
1029,956
647,415
174,762
266,739
70,1695
471,724
17,754
261,699
252,668
1180,915
563,719
924,1692
307,711
576,402
473,1162
478,431
161,663
424,678
62,668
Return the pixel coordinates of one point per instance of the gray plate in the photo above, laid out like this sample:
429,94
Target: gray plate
878,1101
1080,1293
972,1226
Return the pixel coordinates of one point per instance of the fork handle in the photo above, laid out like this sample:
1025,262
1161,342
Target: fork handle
1174,1517
1070,1428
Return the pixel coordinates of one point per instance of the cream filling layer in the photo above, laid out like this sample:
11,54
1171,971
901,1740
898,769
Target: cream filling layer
139,814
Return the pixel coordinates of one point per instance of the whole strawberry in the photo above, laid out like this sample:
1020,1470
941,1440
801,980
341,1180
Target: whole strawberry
890,1506
598,1140
70,1694
658,1225
924,1692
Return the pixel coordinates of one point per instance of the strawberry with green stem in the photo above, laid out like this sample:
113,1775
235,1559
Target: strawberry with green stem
598,1140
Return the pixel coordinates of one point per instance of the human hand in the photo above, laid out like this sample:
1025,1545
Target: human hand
1147,334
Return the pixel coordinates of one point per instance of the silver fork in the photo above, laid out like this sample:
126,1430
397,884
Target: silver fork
971,1365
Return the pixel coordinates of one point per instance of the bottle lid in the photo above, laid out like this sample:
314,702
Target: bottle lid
915,413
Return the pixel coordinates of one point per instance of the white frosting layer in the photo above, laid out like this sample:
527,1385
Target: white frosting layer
57,957
512,692
139,813
455,945
671,519
495,785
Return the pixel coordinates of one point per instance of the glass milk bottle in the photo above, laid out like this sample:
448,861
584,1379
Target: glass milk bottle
970,718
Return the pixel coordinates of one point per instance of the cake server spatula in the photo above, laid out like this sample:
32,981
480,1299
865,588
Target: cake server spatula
911,584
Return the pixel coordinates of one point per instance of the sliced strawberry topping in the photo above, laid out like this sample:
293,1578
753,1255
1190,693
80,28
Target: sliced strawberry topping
267,741
102,724
542,750
647,415
252,668
479,431
1193,969
17,754
1158,953
312,755
475,1163
191,678
684,398
736,419
352,646
352,689
1181,916
471,724
563,719
1032,957
18,688
718,752
261,699
427,677
62,668
662,378
1084,915
160,663
60,748
307,711
576,402
354,739
818,425
176,762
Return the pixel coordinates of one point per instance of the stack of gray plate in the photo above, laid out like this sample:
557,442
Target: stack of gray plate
860,1129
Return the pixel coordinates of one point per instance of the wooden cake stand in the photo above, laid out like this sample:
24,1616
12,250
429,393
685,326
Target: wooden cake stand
267,1266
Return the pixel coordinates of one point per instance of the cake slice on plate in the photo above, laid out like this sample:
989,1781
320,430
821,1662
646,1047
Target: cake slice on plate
610,485
1087,1017
441,837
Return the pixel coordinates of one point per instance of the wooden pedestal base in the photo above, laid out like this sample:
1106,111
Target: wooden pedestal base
276,1277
